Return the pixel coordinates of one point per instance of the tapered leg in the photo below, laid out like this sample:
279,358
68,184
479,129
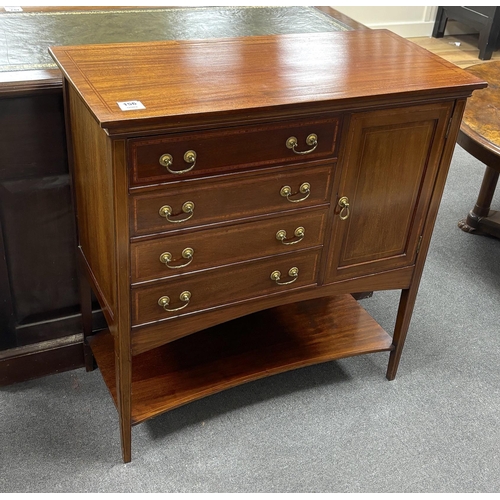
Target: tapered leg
406,304
123,387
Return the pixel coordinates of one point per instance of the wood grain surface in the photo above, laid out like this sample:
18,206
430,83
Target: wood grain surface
243,350
185,78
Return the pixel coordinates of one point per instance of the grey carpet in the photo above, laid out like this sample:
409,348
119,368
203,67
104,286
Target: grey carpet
336,427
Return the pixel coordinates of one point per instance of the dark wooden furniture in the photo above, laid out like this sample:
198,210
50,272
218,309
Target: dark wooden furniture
480,136
486,20
247,186
40,323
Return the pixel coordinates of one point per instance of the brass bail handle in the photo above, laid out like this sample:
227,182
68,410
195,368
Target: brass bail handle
286,192
344,205
183,297
167,160
299,234
187,208
187,254
292,272
311,140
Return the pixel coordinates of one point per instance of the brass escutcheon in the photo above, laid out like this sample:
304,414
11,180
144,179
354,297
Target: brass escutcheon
166,160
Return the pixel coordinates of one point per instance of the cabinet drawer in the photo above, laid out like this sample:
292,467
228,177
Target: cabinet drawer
223,286
235,197
209,248
226,150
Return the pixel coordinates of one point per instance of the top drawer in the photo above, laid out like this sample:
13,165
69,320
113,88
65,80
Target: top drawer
172,157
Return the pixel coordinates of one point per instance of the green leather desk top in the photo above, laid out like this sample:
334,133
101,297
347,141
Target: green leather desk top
25,36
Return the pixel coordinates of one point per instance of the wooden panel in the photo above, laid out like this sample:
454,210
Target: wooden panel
256,346
234,196
252,73
92,174
388,172
224,286
153,335
229,149
232,244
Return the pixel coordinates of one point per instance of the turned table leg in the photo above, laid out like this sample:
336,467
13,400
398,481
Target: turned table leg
483,203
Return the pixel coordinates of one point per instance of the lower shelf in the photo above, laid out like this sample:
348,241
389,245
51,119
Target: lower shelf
248,348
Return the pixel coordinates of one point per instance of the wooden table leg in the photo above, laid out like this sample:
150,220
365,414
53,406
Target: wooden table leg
482,220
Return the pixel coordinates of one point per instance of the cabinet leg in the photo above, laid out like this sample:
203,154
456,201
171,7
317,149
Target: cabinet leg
126,440
403,318
124,399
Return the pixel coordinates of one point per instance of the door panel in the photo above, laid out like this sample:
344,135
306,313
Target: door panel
388,169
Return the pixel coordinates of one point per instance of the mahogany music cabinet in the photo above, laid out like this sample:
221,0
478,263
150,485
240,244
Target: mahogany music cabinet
231,194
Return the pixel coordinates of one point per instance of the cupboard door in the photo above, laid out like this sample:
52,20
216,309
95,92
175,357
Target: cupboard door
389,165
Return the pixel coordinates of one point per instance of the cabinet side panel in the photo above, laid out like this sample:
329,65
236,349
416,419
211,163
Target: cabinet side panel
93,183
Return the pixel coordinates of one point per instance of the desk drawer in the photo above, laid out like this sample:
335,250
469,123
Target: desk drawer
161,258
176,156
223,286
205,202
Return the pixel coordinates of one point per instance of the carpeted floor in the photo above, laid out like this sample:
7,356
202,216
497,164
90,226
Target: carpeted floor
336,427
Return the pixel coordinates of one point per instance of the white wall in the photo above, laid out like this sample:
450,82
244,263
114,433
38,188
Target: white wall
405,21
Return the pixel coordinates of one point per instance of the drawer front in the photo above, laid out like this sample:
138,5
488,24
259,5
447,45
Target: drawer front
202,202
223,286
185,253
227,150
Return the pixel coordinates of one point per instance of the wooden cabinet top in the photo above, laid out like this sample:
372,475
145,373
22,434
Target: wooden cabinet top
198,81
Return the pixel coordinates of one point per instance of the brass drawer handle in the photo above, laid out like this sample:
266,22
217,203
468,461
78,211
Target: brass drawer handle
305,188
166,258
293,273
187,208
312,140
299,233
344,204
167,160
165,301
